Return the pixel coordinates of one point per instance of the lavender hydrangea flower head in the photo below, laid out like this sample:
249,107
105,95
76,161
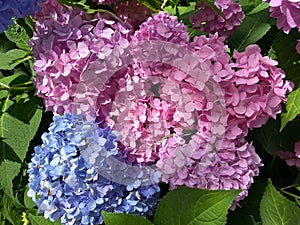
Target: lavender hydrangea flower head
64,185
18,9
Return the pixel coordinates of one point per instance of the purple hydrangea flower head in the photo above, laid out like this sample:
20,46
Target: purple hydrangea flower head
18,9
64,43
64,185
291,158
287,13
208,20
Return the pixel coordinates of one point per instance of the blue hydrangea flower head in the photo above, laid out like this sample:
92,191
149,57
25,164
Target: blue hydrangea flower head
18,9
65,185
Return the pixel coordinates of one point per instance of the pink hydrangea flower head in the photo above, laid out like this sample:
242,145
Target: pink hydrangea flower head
208,20
231,164
287,13
291,158
133,12
163,27
258,88
63,46
143,118
214,52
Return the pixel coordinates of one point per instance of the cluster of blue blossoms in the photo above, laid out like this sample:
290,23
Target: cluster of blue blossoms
18,9
67,186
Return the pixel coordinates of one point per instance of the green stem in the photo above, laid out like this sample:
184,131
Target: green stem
23,84
17,87
164,4
25,59
290,194
290,186
4,86
22,88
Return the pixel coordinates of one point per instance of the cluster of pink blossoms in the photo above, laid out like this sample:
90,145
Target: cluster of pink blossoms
208,20
163,114
292,159
63,42
287,13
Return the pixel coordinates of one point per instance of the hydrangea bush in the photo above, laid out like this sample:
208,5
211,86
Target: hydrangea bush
151,112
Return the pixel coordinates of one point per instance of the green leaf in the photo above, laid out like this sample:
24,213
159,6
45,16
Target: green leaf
122,219
255,25
287,56
292,108
14,79
40,220
8,170
9,211
5,44
12,58
275,209
18,35
18,125
88,6
152,4
194,207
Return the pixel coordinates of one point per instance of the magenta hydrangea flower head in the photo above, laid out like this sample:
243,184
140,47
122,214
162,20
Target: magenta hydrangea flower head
63,44
208,20
229,164
163,27
287,13
133,12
